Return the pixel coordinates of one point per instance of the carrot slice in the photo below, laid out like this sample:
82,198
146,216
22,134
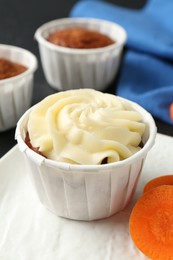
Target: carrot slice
161,180
151,223
171,111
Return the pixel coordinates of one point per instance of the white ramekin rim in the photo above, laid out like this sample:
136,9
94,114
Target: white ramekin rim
31,69
51,24
40,160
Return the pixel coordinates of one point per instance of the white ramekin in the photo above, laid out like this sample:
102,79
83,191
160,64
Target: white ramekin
85,192
67,68
16,92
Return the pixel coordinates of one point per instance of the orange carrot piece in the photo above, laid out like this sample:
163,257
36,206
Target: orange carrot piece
151,223
171,111
161,180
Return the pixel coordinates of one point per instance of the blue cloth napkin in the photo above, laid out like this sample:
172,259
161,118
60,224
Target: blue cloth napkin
147,72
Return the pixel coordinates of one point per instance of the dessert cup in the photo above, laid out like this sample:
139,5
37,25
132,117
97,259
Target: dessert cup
67,68
86,192
16,92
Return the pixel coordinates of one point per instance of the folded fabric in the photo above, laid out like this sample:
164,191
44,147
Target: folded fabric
147,72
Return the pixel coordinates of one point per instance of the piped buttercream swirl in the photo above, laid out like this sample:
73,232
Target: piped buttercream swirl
85,127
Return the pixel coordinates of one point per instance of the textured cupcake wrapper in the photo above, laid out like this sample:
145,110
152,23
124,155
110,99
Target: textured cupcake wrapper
16,92
86,192
15,99
67,68
84,195
64,72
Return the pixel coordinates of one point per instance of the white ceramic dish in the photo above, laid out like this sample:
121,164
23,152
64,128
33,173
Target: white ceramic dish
67,68
29,231
87,192
16,92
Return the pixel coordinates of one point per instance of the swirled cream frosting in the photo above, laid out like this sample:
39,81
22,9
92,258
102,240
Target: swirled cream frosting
85,127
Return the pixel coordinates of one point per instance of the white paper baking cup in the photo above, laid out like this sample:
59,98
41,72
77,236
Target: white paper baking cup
84,192
67,68
16,92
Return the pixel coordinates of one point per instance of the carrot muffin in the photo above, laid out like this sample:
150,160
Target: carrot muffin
80,38
10,69
77,130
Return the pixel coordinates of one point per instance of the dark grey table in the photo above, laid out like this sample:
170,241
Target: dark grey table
18,22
